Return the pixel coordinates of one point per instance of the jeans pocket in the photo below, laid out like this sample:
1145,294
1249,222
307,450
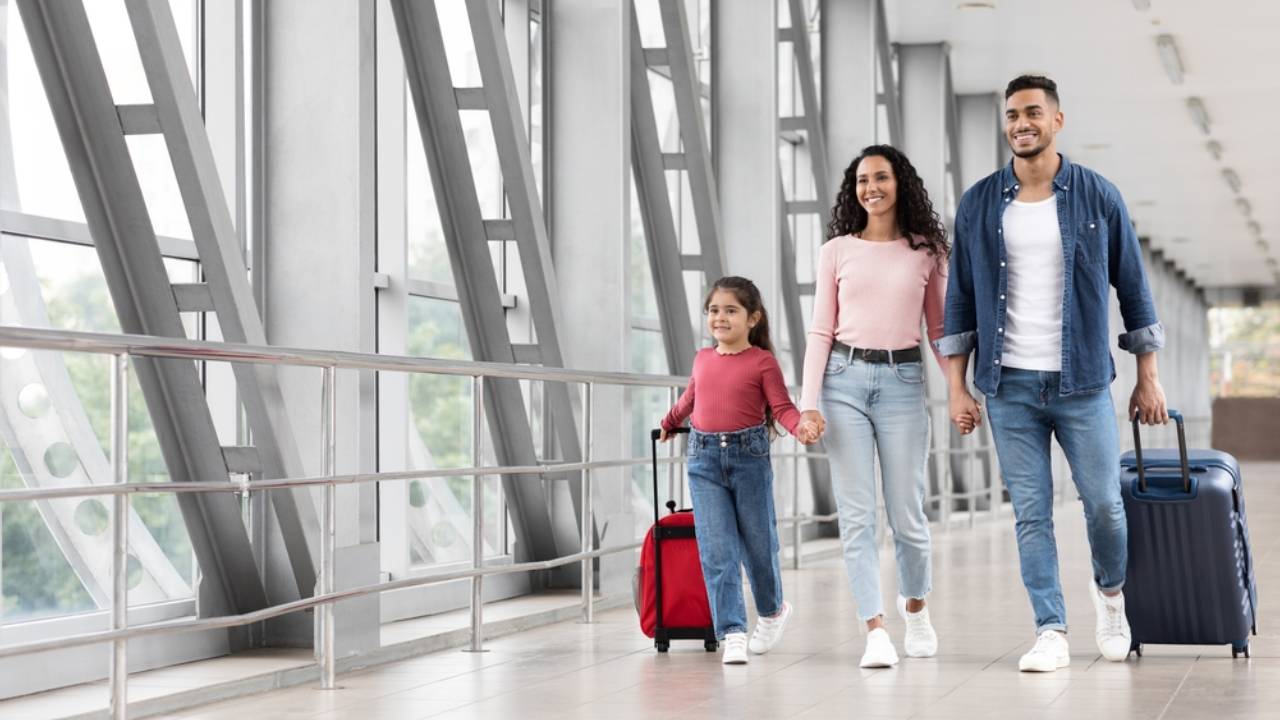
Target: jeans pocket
911,373
758,446
691,448
836,365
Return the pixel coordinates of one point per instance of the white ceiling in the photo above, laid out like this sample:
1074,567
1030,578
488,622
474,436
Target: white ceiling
1115,92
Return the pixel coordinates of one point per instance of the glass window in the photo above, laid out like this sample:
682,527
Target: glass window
440,410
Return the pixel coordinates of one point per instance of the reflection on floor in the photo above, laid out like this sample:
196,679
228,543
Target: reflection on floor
609,670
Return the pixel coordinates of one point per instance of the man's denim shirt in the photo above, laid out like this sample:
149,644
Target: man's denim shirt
1099,249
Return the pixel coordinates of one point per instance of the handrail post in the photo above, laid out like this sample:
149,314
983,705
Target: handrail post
588,596
328,528
119,536
477,514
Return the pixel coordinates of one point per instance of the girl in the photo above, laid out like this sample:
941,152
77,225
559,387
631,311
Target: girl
884,265
735,393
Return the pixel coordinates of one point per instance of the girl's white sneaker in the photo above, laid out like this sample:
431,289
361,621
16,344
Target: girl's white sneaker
735,649
769,630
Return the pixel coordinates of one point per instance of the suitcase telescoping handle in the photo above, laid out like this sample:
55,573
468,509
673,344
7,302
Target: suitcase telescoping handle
654,434
1182,452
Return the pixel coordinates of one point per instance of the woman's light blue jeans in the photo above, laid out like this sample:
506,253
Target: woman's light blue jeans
870,409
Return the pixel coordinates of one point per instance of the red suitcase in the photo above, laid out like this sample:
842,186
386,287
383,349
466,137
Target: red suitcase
672,594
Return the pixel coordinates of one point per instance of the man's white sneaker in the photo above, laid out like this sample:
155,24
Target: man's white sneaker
1050,653
769,630
879,652
1113,627
735,649
921,641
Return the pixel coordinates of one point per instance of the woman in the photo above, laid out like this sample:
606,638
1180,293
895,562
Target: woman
883,267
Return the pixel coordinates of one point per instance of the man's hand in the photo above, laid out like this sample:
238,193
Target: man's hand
966,413
1147,402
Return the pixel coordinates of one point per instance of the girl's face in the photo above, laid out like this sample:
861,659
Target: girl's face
877,186
727,319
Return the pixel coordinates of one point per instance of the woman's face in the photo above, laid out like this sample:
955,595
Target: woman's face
877,186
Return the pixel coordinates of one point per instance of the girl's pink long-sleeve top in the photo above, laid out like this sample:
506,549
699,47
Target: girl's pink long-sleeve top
727,393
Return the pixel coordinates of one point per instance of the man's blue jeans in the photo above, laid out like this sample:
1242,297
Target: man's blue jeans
731,482
1023,415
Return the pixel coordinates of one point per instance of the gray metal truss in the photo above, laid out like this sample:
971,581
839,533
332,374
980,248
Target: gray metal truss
226,278
662,238
888,95
92,129
468,234
810,123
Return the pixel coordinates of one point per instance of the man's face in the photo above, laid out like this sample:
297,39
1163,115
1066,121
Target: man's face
1031,120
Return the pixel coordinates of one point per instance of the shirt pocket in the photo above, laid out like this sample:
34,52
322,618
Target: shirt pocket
1091,243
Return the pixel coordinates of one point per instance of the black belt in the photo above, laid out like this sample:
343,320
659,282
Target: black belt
911,354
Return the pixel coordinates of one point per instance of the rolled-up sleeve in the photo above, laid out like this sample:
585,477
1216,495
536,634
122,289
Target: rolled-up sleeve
1143,340
957,344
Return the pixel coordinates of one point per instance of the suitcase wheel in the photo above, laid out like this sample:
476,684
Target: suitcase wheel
1238,650
1136,647
710,645
662,646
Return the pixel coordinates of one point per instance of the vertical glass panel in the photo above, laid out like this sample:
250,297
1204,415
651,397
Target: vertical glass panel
43,179
113,35
428,253
440,410
159,185
482,150
458,45
62,286
35,578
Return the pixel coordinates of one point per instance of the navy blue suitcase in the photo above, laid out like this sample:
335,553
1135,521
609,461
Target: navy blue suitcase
1190,574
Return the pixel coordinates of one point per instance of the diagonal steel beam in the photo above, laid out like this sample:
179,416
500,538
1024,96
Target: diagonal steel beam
223,266
76,84
436,104
661,237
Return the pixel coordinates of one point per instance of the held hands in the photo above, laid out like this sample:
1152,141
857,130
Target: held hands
811,428
966,413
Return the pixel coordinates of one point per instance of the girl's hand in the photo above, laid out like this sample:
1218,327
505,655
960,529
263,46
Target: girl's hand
663,436
812,427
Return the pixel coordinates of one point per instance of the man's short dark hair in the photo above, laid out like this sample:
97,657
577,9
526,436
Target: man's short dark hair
1033,82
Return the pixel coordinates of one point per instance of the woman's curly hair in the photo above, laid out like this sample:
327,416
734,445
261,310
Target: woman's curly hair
917,219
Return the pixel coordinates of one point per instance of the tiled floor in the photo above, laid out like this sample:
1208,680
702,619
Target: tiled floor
609,670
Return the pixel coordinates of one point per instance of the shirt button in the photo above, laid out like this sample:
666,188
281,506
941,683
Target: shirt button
1001,297
995,362
999,231
999,330
1001,263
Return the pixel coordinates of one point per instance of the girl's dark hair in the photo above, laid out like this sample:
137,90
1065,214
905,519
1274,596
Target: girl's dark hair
916,216
749,296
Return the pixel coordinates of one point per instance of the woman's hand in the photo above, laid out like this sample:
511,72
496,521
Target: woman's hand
812,427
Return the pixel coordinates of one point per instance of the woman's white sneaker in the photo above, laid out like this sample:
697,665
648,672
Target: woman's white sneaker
735,649
921,641
1050,653
879,652
769,630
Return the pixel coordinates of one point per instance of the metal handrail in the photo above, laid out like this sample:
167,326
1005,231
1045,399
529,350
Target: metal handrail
120,347
157,347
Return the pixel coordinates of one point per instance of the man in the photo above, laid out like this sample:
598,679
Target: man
1036,246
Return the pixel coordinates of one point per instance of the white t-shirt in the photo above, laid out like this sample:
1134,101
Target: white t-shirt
1033,317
